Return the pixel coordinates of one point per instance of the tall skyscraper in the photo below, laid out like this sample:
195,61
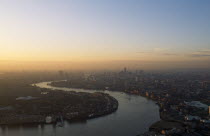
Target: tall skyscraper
125,69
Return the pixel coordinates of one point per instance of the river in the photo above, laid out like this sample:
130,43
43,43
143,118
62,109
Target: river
134,116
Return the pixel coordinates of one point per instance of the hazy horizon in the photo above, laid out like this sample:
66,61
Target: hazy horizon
9,66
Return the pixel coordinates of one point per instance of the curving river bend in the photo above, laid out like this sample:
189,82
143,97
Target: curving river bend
134,116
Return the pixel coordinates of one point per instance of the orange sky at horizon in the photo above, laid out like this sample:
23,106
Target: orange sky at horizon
100,65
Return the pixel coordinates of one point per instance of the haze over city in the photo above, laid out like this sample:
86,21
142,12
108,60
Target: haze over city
105,34
104,67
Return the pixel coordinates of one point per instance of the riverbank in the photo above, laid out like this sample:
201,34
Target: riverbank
133,109
167,111
156,124
51,105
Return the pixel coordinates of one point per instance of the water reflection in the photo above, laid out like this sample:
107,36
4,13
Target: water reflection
3,129
134,115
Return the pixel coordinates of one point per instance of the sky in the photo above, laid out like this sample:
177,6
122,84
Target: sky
104,33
